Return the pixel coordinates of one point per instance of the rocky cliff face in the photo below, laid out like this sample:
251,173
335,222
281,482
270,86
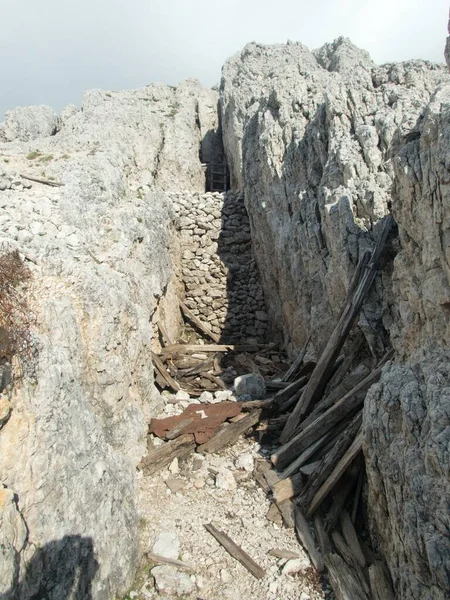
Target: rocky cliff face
98,251
325,144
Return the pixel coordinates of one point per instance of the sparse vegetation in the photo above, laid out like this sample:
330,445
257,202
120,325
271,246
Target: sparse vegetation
6,160
65,156
15,316
47,158
33,155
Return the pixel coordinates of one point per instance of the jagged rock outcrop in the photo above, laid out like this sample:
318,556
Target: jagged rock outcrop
308,136
98,249
26,123
325,144
407,413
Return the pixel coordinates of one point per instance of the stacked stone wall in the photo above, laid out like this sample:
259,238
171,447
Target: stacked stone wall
218,271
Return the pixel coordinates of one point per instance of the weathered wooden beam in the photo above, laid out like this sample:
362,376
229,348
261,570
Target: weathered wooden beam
290,373
329,461
190,348
368,266
174,385
337,473
288,488
164,454
340,410
236,551
344,580
351,537
379,582
229,433
203,328
163,560
307,540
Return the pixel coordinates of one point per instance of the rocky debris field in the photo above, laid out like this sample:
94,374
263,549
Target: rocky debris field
220,488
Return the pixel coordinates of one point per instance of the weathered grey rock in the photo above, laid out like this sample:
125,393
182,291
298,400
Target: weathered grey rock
308,137
169,582
225,480
167,544
250,385
98,251
407,413
26,123
324,144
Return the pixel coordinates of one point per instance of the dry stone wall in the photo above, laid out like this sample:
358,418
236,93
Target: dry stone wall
218,271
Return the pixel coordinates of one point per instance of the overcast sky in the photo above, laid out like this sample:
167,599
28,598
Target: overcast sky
51,51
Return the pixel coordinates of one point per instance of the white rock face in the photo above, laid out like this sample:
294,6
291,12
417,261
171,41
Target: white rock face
98,251
29,123
407,413
325,144
308,137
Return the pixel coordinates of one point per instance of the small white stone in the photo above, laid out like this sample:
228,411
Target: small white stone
225,576
295,565
182,395
225,480
245,461
206,398
173,467
273,587
167,544
305,596
170,582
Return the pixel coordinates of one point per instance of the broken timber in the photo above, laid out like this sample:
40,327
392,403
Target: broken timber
165,454
230,433
235,551
201,326
367,267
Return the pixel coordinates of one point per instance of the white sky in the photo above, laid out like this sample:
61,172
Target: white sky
51,51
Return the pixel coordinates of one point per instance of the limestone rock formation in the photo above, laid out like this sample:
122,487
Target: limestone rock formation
98,249
308,136
407,416
325,144
29,123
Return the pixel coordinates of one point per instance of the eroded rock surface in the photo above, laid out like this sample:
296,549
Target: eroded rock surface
325,144
308,136
98,249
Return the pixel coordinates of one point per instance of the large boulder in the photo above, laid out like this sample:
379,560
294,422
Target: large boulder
26,123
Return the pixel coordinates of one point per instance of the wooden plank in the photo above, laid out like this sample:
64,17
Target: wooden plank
351,537
287,509
228,434
290,373
287,554
351,560
43,181
343,489
283,395
288,488
344,580
304,457
337,473
203,328
164,455
165,336
340,410
307,540
174,385
319,378
236,551
189,348
178,429
329,461
358,491
322,535
163,560
379,582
